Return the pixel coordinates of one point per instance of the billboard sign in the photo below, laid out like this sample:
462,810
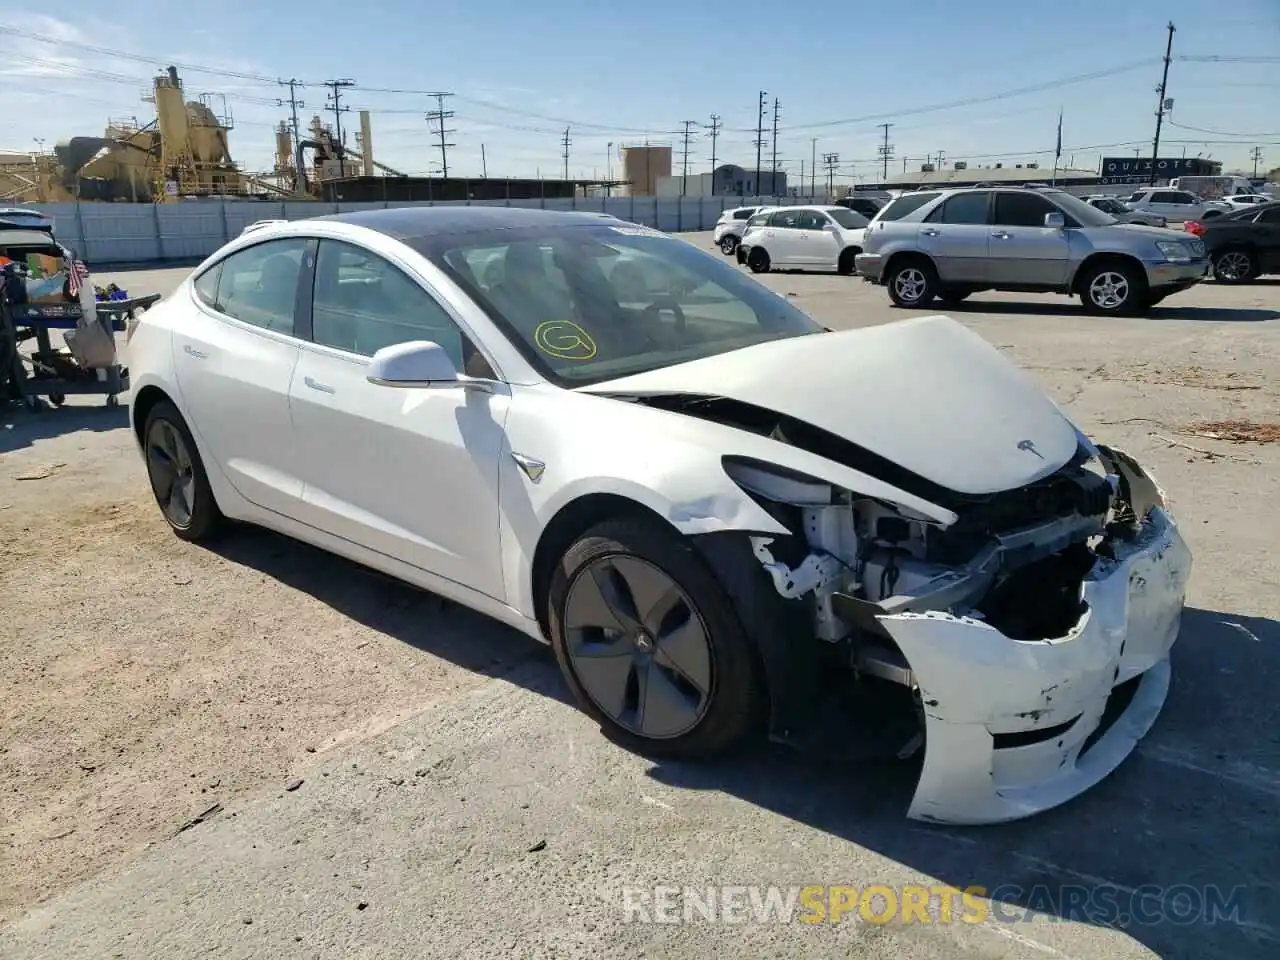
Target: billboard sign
1138,169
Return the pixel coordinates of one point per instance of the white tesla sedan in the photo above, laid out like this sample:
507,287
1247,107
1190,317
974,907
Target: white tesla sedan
717,512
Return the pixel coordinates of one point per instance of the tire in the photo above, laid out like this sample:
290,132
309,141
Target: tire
912,283
193,513
758,260
953,298
1210,214
1114,289
845,265
1234,265
712,702
728,244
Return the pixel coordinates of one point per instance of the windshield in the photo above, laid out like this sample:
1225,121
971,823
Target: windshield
595,302
1078,210
849,219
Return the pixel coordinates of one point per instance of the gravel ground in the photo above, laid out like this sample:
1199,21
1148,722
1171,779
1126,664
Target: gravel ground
149,684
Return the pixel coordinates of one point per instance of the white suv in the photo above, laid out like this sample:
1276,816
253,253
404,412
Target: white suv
803,238
730,227
1176,206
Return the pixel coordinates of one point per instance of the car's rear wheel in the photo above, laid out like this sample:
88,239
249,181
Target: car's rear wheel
912,283
1234,265
650,643
846,263
728,244
178,479
758,261
1114,289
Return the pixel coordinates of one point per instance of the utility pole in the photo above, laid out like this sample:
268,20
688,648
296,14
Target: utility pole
885,150
813,166
684,157
484,164
440,115
713,131
773,165
831,161
334,103
1164,83
759,140
608,170
294,104
564,144
1256,156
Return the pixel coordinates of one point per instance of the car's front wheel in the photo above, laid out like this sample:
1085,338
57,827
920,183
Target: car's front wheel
1117,289
1234,265
912,283
758,261
178,479
650,643
728,244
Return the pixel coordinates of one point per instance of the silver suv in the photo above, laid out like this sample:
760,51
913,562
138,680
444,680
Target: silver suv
949,244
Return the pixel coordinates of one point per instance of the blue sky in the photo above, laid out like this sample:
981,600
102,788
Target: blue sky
521,72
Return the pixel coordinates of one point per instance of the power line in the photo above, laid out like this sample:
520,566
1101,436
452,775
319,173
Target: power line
713,131
1160,109
440,115
886,149
1223,133
334,102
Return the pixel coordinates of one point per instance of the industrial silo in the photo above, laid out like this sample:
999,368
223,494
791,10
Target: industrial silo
643,165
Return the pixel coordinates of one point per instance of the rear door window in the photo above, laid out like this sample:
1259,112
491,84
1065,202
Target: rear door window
785,220
258,285
964,209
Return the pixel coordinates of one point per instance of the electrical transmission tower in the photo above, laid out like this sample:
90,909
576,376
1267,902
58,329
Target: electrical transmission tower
440,115
684,156
334,103
831,161
773,176
564,145
713,131
885,150
759,140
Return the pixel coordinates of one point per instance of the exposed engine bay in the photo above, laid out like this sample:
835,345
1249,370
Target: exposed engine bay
1014,629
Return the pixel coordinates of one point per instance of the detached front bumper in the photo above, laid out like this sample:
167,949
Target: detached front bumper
1013,728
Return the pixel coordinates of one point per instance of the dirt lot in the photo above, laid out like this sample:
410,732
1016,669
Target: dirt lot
148,683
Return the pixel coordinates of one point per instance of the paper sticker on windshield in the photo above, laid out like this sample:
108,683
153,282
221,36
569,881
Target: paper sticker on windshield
636,230
564,340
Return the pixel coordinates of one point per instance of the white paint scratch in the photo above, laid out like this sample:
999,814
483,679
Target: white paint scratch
1025,940
1242,628
1231,771
654,802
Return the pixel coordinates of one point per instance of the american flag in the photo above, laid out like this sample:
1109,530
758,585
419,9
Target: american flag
76,273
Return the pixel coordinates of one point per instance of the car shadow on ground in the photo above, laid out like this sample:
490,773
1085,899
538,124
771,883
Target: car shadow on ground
1162,311
1185,827
412,616
1191,813
20,427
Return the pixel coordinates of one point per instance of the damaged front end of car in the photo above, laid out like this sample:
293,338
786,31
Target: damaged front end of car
1029,638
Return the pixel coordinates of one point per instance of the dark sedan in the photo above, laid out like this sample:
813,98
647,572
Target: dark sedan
1244,245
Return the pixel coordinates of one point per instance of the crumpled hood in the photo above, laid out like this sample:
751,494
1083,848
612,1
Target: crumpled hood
926,393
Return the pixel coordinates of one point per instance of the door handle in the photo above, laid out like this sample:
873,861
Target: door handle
930,232
194,353
317,385
1002,235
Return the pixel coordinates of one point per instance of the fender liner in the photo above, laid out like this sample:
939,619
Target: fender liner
781,630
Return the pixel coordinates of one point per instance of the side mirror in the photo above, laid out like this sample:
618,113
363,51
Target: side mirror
1055,220
418,363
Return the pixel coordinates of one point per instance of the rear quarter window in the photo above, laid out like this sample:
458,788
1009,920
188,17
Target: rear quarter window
899,208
